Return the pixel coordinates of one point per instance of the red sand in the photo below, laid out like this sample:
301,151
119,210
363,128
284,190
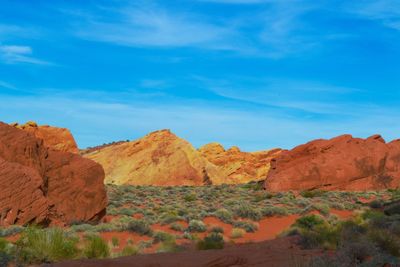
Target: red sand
342,214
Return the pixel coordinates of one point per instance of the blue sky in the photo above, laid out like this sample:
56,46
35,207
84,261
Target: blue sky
256,73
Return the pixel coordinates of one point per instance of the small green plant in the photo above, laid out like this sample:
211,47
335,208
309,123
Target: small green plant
309,222
246,211
211,241
115,241
249,227
45,245
162,237
130,250
190,198
237,233
197,226
140,226
217,229
96,248
224,215
312,193
177,227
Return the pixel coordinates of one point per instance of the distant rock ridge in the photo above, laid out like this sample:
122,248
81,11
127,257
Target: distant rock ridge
59,139
238,166
159,158
341,163
41,185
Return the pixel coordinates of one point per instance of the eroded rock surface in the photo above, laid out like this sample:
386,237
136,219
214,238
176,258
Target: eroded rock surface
341,163
43,186
238,166
160,158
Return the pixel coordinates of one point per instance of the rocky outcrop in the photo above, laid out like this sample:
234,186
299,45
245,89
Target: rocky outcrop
160,158
238,166
43,186
341,163
55,138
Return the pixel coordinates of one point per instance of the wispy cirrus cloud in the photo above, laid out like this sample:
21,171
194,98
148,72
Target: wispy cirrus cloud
157,27
386,12
12,54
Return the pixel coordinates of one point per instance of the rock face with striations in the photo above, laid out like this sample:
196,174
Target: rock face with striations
43,186
56,138
341,163
160,158
238,166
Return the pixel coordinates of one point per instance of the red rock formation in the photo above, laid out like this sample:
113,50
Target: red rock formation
160,158
341,163
42,186
55,138
238,166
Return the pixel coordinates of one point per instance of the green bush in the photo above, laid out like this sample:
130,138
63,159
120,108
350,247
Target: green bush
45,245
309,222
190,198
273,211
197,226
177,227
247,212
162,237
96,248
237,233
130,250
247,226
224,215
140,226
212,241
312,193
115,241
217,229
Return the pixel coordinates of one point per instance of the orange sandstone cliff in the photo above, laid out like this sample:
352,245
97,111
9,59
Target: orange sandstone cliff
341,163
238,166
159,158
44,186
55,138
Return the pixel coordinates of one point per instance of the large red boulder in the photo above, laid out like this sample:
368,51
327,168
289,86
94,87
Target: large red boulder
56,138
341,163
43,186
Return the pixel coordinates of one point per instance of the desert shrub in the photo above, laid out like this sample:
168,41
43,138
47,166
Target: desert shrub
5,258
211,241
168,218
224,215
140,226
190,197
115,241
160,236
263,196
247,226
12,230
312,193
126,211
96,248
273,211
168,246
45,245
386,241
197,226
322,208
237,233
217,229
246,211
375,204
83,228
177,227
130,250
309,222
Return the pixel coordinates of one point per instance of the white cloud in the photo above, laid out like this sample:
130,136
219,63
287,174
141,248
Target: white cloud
385,11
12,54
156,27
